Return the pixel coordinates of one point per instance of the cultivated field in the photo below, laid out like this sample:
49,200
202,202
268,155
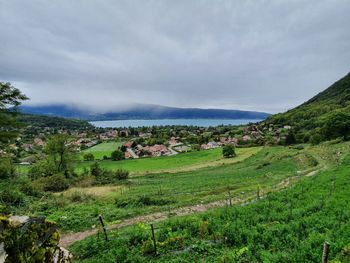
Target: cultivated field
181,162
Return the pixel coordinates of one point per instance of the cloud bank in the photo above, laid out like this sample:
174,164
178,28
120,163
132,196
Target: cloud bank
253,55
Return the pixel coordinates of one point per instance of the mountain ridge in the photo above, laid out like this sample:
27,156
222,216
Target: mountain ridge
325,116
141,111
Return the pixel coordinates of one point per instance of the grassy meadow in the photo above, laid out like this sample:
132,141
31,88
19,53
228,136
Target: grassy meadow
180,162
286,226
77,208
103,149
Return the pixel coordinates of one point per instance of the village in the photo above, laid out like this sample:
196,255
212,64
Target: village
144,142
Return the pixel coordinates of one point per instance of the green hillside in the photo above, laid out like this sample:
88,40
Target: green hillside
41,121
325,116
285,226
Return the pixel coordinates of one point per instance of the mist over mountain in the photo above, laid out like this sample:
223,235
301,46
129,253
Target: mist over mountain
141,111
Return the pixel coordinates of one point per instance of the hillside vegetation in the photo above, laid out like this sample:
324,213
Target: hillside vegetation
285,226
325,116
41,121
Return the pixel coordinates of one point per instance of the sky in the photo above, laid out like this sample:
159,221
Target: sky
252,55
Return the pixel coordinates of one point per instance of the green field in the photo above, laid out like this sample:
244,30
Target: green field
286,226
103,149
77,208
180,162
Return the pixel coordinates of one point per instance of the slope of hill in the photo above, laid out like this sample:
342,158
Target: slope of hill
325,116
41,121
142,111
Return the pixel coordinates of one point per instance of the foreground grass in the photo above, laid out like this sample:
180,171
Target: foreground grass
288,226
181,162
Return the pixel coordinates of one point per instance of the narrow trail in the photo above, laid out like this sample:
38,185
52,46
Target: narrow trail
69,238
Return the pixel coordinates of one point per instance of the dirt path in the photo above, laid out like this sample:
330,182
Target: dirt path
69,238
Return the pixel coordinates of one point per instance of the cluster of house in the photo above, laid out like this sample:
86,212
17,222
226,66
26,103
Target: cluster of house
28,147
108,135
223,141
137,151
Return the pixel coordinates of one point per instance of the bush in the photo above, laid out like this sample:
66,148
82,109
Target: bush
42,168
229,151
12,196
78,196
104,176
122,174
117,155
89,157
95,169
7,169
54,183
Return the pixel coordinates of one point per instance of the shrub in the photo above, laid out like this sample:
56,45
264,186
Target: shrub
95,169
89,157
12,196
42,168
122,174
104,176
7,169
229,151
54,183
147,247
78,196
117,155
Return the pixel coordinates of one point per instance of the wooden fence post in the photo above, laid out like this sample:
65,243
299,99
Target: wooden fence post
103,226
154,240
325,252
230,198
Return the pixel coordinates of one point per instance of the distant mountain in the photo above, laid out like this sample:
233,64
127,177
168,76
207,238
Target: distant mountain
325,116
142,111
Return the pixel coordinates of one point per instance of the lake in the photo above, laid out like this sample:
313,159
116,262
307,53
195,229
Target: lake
164,122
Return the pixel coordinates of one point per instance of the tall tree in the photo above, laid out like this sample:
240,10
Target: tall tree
10,99
61,153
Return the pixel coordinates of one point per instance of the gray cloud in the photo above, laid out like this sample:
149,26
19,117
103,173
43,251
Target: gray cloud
257,55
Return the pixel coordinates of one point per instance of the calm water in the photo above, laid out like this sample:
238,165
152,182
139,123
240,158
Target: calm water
163,122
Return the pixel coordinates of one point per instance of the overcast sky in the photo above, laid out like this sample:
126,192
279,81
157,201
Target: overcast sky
239,54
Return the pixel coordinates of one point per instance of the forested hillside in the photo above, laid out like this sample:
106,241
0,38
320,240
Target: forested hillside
325,116
41,121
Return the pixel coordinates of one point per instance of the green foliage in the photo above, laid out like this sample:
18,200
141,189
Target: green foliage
104,176
7,169
35,241
54,183
117,155
229,151
89,157
290,138
336,124
9,97
60,153
110,177
122,174
42,168
326,115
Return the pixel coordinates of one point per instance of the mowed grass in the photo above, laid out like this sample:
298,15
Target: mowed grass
180,162
163,191
103,149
